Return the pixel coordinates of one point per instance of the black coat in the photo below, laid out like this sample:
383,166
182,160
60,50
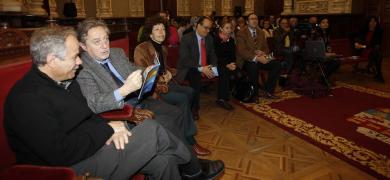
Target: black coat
47,124
225,51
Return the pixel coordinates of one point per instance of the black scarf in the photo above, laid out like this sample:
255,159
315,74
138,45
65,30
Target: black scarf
159,50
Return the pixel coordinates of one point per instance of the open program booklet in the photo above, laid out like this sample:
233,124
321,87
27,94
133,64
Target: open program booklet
149,76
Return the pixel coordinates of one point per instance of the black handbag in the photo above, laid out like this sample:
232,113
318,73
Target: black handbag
244,90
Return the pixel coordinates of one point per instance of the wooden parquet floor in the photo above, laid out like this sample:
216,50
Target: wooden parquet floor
255,149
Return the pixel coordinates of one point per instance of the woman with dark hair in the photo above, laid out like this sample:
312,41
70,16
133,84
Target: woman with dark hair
225,51
332,63
369,43
181,96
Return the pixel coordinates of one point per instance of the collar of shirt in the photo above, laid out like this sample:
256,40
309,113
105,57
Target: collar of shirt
198,36
104,61
251,30
64,84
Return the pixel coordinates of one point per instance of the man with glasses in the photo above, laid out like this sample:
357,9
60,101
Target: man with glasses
252,51
197,59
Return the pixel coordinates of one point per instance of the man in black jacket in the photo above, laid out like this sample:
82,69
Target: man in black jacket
48,121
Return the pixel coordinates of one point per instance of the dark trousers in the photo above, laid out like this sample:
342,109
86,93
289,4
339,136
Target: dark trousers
194,78
224,82
330,67
375,58
151,150
253,68
181,97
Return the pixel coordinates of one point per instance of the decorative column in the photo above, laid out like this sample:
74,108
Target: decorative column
249,7
208,6
103,8
136,8
288,7
227,8
35,7
53,8
183,7
80,8
11,5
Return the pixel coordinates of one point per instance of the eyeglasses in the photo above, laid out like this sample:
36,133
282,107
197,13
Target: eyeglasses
206,27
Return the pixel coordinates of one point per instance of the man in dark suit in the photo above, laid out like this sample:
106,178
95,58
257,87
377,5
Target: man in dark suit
197,58
48,121
252,51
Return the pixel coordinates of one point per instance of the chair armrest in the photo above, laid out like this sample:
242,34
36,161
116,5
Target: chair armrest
21,172
121,114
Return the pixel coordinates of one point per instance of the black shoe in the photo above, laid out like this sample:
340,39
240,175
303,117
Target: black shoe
268,95
210,170
224,104
379,78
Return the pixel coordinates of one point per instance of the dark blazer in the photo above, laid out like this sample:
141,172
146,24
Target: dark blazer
48,125
247,45
189,54
98,86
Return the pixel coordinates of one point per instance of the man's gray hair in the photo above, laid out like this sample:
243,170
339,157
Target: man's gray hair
47,41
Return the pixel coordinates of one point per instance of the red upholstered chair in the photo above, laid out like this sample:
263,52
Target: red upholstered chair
121,43
8,170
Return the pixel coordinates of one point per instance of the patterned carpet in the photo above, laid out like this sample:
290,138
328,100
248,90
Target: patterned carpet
323,122
253,148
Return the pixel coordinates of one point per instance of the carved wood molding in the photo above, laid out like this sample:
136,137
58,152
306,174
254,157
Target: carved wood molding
317,7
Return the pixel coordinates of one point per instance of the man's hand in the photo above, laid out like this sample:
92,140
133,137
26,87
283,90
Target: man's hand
173,71
206,70
260,53
359,46
262,59
167,76
132,83
120,136
231,66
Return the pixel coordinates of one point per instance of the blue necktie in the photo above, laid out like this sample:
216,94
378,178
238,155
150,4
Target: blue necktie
115,78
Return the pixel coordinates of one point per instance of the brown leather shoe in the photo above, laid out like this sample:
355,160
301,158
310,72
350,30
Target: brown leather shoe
200,151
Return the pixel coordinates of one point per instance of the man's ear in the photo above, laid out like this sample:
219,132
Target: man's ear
83,46
50,59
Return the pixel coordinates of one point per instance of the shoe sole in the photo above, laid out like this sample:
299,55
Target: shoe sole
218,174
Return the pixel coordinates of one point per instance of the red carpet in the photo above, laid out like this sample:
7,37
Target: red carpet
334,124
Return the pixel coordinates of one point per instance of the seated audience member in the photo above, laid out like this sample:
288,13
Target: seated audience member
183,25
48,122
225,51
332,63
285,43
197,58
173,39
108,88
191,28
251,52
268,31
180,96
241,24
369,43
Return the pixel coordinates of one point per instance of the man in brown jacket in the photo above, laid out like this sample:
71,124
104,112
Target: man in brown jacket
252,51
